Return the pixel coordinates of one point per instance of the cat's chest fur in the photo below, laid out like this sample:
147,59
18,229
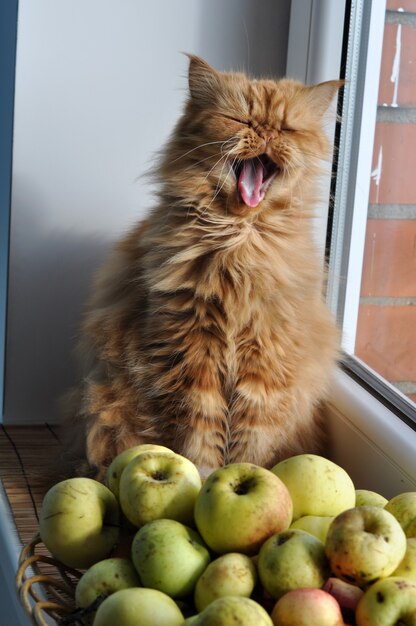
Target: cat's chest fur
231,291
241,264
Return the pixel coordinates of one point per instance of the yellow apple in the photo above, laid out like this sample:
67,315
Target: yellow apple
403,507
365,543
291,560
317,485
232,611
105,577
138,607
388,602
157,485
316,525
364,497
121,460
239,506
79,521
169,557
232,574
407,566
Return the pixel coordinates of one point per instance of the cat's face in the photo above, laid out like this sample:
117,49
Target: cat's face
246,144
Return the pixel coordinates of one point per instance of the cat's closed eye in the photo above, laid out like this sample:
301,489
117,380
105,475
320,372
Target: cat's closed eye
239,120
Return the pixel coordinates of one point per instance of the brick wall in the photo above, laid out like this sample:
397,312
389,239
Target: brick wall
386,333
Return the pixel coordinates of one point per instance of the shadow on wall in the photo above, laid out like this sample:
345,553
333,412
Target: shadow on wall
256,33
55,283
51,266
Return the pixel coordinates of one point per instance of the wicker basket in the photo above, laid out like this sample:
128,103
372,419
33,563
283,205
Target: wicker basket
46,586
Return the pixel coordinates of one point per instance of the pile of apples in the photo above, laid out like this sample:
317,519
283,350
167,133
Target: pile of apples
296,545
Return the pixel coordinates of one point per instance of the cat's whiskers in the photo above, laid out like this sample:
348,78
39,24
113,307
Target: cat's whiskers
223,157
224,144
202,145
217,190
219,178
205,177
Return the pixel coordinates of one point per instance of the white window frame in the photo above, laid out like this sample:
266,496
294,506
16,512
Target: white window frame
316,26
358,419
354,173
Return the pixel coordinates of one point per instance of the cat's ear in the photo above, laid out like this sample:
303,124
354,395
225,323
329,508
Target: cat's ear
204,81
322,95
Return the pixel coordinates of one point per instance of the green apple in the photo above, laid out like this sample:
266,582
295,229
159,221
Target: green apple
104,578
365,497
316,525
138,607
365,543
169,557
403,507
291,560
317,485
240,506
407,566
232,574
79,521
307,607
158,485
233,610
121,460
388,602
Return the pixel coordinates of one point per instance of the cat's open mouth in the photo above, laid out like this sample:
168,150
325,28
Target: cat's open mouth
254,177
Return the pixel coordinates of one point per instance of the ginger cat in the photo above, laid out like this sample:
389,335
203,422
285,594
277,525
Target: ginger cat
207,330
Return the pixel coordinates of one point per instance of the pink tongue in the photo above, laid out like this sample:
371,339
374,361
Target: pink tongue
250,182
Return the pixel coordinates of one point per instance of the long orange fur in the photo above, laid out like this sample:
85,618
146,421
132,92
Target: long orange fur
207,330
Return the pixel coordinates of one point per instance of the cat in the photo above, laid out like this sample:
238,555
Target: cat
207,330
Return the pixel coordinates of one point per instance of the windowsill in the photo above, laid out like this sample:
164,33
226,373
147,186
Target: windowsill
372,444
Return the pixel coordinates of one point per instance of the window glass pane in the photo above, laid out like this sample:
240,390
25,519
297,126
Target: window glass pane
386,326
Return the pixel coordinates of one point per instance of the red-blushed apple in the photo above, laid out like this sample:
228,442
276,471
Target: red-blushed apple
123,459
403,507
388,602
232,574
346,594
291,560
79,522
407,566
157,485
307,607
317,485
365,497
169,556
365,543
240,506
138,607
232,611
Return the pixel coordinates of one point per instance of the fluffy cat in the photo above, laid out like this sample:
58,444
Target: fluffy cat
207,331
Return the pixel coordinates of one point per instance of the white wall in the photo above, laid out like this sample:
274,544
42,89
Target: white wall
99,85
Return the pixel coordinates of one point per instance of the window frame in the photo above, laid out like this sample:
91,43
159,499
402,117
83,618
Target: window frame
355,56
